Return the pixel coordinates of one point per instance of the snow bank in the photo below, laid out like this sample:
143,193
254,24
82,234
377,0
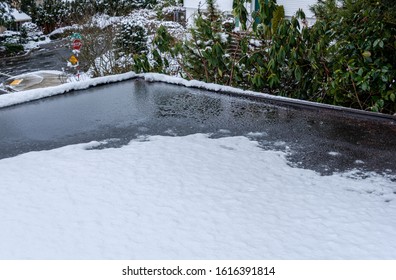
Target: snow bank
188,197
35,94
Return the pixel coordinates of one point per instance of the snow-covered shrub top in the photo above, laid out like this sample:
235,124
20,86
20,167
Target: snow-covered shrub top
31,28
103,20
171,9
174,28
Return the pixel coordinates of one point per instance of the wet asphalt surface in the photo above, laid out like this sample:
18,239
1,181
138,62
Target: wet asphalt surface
315,138
51,56
319,139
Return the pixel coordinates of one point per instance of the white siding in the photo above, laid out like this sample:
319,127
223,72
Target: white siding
192,6
291,6
223,5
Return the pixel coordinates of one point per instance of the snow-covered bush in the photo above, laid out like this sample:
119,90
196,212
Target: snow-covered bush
116,44
31,28
95,55
31,32
10,37
205,53
131,38
118,7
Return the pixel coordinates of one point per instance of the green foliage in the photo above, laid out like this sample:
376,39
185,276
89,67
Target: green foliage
118,7
51,14
298,59
5,16
29,7
279,15
163,40
13,49
240,12
163,44
264,15
24,33
389,11
363,57
204,54
348,57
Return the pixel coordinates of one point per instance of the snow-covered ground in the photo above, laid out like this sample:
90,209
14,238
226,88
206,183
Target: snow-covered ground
190,197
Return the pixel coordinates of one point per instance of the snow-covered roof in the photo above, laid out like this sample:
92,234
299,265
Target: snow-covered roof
20,16
252,198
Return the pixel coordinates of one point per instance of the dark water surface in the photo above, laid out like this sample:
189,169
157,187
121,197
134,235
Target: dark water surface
318,139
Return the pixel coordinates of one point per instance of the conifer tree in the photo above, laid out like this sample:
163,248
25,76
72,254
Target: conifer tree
50,14
131,38
29,7
204,52
5,15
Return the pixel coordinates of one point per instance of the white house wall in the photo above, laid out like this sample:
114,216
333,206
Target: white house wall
291,6
223,5
192,6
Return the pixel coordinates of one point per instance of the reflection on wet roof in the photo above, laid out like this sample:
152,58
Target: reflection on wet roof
134,108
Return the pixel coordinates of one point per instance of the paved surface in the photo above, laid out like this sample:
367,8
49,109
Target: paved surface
52,56
34,80
314,138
